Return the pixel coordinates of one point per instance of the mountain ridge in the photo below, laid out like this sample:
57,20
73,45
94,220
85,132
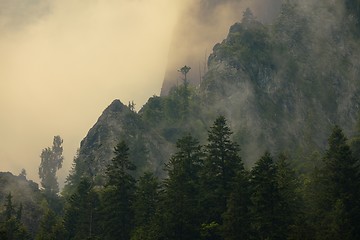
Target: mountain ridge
281,88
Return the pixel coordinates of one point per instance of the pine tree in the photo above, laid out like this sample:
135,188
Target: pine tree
181,197
289,200
145,207
265,199
340,197
237,218
147,199
119,194
82,212
11,227
51,227
9,208
221,164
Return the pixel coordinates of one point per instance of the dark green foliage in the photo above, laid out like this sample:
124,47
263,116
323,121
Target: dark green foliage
9,208
208,195
82,212
118,196
332,194
146,203
341,181
11,227
172,111
355,142
237,218
51,161
118,170
247,48
153,111
265,198
353,8
181,196
51,227
221,164
275,201
282,85
289,204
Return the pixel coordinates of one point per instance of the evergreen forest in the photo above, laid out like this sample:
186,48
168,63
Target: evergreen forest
266,146
208,194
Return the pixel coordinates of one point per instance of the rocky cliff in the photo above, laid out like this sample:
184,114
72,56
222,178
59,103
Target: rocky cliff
282,86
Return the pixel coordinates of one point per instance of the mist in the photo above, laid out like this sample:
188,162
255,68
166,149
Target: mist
201,25
62,62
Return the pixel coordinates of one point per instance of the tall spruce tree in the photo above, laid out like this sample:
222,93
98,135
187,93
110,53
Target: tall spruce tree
82,212
118,215
11,227
237,218
265,199
289,200
340,203
181,197
146,205
51,227
222,163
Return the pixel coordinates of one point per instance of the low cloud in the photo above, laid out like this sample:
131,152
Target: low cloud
62,64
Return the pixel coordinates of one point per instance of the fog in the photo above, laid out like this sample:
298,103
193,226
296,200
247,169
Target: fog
201,25
62,62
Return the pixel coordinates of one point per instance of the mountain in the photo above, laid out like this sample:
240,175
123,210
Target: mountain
148,149
201,24
282,86
287,84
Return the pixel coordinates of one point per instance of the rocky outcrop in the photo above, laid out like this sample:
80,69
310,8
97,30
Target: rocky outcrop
148,150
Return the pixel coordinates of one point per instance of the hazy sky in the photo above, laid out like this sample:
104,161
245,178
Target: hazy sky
62,63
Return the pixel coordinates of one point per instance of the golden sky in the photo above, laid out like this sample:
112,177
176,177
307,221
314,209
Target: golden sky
62,64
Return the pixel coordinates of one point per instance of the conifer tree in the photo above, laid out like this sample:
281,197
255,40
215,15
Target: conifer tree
181,204
145,207
82,212
339,201
221,164
51,227
11,228
237,218
265,199
289,200
119,194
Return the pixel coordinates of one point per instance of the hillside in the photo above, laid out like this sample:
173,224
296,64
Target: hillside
282,87
266,147
25,193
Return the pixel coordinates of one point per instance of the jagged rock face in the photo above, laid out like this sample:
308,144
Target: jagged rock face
148,150
284,86
97,147
201,24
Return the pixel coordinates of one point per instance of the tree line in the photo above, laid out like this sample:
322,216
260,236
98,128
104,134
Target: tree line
209,194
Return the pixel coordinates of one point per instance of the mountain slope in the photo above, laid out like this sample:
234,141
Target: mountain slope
26,193
282,87
118,122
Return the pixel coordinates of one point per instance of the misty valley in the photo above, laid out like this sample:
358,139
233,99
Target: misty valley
262,142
